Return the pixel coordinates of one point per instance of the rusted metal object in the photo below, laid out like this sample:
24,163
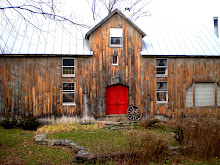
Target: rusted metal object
134,113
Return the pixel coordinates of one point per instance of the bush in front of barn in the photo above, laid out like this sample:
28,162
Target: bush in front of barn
150,123
146,147
26,124
201,136
29,124
9,123
199,132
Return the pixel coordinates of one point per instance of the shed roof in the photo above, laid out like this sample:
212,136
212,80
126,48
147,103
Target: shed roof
109,16
49,37
180,40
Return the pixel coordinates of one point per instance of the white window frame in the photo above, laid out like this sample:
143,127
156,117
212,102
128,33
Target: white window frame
68,91
191,90
166,68
116,33
69,75
160,91
115,64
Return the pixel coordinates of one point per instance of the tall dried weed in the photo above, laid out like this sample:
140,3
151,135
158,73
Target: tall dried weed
146,147
202,136
200,133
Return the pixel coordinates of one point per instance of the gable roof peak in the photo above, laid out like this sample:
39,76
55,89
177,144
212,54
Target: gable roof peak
110,15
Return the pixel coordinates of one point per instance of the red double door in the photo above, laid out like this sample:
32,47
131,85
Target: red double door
116,99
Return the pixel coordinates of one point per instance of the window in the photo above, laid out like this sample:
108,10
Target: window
68,67
189,97
218,95
116,37
203,94
68,97
161,67
162,94
115,60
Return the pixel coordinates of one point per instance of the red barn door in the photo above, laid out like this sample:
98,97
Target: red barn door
116,99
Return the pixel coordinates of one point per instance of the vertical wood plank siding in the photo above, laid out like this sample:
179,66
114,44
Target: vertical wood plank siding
182,72
129,61
32,86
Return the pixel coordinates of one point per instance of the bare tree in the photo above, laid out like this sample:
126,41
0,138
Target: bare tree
137,8
35,13
29,9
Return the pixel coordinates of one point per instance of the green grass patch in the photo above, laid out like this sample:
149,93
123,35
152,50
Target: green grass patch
100,141
145,145
17,147
106,140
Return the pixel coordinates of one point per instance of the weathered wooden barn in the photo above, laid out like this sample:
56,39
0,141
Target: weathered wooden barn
163,70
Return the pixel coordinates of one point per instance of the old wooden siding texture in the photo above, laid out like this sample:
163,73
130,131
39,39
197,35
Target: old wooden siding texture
129,62
33,86
182,72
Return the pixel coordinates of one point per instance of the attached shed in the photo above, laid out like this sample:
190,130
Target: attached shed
167,71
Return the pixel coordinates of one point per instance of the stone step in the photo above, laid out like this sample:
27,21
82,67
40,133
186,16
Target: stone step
117,125
116,118
116,122
125,123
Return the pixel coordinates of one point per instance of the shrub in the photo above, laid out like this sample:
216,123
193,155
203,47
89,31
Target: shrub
29,124
9,123
179,134
149,123
202,136
146,147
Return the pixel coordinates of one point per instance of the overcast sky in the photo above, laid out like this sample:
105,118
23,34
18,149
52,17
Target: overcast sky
185,10
192,11
201,11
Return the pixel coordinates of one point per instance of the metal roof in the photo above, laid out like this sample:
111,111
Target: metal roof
180,40
17,37
50,37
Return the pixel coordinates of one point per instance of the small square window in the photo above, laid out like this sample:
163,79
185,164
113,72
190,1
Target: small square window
116,36
68,67
162,93
116,41
161,67
114,60
68,93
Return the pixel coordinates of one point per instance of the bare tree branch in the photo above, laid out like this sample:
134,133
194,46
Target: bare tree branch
136,7
56,17
140,11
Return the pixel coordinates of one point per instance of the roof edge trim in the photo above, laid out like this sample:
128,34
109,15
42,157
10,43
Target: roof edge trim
192,56
43,55
107,17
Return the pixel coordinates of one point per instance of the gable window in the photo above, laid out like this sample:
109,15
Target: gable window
162,93
203,94
115,60
68,67
116,37
161,67
68,93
